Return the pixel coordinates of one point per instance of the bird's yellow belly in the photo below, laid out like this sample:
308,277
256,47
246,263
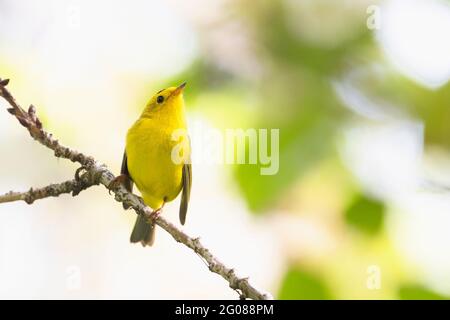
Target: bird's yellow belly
151,167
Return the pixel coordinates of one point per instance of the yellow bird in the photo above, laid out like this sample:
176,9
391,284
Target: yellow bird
157,159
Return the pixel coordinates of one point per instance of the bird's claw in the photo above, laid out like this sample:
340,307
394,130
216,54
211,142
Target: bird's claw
154,216
78,171
116,182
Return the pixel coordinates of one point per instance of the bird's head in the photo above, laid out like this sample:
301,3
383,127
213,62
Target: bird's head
169,99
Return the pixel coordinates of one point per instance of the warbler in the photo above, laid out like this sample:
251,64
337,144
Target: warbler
157,159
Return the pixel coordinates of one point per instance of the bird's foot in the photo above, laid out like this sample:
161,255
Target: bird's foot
141,200
78,172
154,215
119,180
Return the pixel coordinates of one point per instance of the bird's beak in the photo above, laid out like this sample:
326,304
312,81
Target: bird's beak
179,89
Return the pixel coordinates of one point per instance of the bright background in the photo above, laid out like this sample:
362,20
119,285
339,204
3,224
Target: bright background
361,96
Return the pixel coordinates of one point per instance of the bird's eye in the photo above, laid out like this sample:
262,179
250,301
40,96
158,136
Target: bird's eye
160,99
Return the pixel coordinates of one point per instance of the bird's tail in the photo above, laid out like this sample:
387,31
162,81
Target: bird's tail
143,232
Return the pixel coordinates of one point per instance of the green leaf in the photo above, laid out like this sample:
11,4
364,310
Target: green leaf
419,292
300,284
366,215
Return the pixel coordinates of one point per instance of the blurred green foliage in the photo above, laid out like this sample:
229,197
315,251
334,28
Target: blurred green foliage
297,97
299,284
286,48
295,94
365,214
429,105
419,292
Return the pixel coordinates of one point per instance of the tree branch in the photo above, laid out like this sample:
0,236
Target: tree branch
74,186
97,173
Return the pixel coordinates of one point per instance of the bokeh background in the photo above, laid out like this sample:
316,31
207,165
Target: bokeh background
359,90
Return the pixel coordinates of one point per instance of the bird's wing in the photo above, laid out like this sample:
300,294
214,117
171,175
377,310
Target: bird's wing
128,184
187,182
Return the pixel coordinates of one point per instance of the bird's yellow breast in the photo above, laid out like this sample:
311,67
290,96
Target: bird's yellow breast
149,148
